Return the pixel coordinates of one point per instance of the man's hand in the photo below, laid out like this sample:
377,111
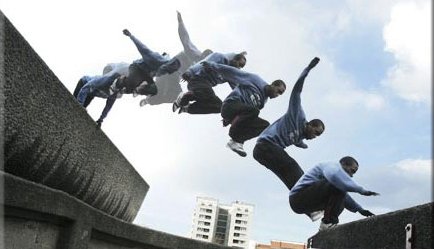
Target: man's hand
179,16
369,193
98,123
366,213
126,32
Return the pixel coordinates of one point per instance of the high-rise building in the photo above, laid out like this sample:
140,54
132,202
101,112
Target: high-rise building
222,224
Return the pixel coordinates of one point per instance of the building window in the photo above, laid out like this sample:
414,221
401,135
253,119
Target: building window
201,229
239,215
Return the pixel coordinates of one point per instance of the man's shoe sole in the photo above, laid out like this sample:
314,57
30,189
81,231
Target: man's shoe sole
175,107
241,153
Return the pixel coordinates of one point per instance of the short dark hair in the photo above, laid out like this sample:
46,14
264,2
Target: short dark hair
317,122
278,83
239,56
348,161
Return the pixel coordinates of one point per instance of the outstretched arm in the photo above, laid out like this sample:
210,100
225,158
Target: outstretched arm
143,49
108,106
229,73
351,204
189,47
341,180
295,99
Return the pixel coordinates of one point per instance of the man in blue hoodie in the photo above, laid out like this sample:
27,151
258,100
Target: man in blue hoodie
201,98
291,129
142,71
325,188
99,86
242,106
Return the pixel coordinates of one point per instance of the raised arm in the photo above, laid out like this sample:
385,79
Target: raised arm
189,47
144,51
295,99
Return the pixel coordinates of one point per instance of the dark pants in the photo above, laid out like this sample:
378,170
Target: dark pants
77,89
278,161
245,123
204,99
319,196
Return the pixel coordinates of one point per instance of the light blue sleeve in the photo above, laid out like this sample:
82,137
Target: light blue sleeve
108,106
189,47
341,180
351,204
82,95
89,87
217,58
295,99
146,53
232,74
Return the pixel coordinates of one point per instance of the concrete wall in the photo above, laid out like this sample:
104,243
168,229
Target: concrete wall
50,139
37,216
386,231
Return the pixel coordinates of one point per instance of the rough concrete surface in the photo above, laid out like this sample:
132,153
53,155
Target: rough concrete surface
386,231
50,139
55,219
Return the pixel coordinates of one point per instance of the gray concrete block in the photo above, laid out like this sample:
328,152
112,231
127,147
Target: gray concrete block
386,231
50,139
68,223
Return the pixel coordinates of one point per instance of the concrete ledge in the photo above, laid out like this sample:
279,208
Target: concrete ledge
40,217
50,139
386,231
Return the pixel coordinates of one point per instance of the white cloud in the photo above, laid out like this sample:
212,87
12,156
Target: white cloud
408,37
353,98
414,167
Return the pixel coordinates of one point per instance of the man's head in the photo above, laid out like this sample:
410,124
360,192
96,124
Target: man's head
276,88
239,60
350,165
313,129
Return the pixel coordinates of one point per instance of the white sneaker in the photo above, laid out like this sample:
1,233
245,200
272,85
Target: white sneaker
324,226
113,88
236,147
183,109
135,93
143,102
314,216
177,103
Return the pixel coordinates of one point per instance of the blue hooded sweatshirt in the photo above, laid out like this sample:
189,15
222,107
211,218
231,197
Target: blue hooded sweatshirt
288,129
250,88
335,175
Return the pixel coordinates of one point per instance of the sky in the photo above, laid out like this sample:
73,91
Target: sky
372,89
